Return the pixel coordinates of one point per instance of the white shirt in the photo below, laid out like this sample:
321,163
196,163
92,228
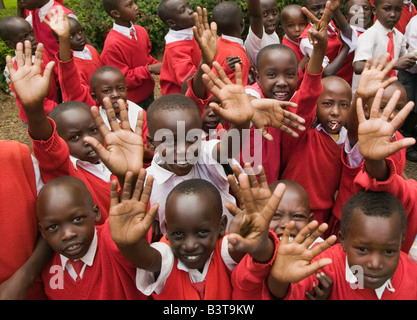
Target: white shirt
132,113
206,168
233,39
411,38
179,35
146,282
43,11
352,279
97,169
253,44
125,30
85,54
374,41
88,259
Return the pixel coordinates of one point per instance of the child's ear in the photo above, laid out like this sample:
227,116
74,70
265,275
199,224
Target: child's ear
171,23
93,95
115,14
223,224
149,141
96,209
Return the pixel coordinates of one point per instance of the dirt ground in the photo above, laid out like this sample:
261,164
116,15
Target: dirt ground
11,127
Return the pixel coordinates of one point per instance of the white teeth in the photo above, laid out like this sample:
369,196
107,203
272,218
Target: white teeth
192,258
182,162
290,239
74,247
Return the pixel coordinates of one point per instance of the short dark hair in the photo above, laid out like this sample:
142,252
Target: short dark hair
109,5
163,11
276,46
227,15
372,204
170,102
199,186
7,26
56,112
101,70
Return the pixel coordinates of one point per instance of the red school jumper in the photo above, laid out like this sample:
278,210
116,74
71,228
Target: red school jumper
306,98
110,277
19,223
132,57
181,59
217,284
54,161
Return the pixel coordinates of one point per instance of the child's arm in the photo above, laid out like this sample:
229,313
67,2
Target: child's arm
59,23
323,289
293,260
375,134
406,61
32,87
255,17
129,222
371,80
340,19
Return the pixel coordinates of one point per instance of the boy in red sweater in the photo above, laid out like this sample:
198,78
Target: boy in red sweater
77,61
182,54
195,259
14,30
127,47
87,264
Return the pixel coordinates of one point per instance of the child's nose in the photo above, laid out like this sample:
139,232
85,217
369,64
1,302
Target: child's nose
68,233
374,262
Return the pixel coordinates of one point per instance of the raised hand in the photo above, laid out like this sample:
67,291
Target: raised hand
318,32
205,35
374,76
375,134
293,261
124,148
30,84
250,234
272,113
58,22
235,105
128,220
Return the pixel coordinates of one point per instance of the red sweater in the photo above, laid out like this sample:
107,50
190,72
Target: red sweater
110,277
181,59
295,47
51,99
306,99
217,284
404,190
54,161
19,222
132,57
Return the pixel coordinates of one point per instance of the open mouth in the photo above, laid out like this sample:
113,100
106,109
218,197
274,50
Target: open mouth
334,124
73,250
282,95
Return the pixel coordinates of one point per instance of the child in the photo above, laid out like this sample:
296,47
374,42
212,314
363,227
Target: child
277,71
38,10
293,23
60,139
320,147
264,18
77,60
336,51
384,37
182,54
195,259
87,264
230,23
13,30
376,223
127,47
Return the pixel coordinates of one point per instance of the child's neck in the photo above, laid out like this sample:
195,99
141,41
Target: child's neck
123,23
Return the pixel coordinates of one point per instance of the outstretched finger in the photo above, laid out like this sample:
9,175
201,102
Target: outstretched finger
309,15
147,190
327,14
247,196
374,114
102,127
273,202
127,186
111,114
305,232
114,196
401,116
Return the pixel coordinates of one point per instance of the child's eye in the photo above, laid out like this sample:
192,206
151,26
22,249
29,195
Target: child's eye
77,219
52,228
121,89
94,130
203,232
75,137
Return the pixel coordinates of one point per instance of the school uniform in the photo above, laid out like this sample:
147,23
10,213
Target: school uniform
129,50
105,274
182,57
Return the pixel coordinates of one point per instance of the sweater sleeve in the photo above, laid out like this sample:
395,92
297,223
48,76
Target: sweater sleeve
249,278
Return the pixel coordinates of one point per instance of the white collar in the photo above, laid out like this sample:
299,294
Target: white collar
124,30
85,54
342,134
161,175
233,39
357,28
286,37
378,25
88,258
195,275
43,11
179,35
351,278
98,169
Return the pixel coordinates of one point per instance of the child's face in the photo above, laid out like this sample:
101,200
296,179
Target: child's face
77,36
316,7
294,206
193,227
359,13
388,12
181,15
73,126
277,74
112,85
210,119
173,135
293,22
67,220
333,106
22,31
388,93
270,15
128,10
373,243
